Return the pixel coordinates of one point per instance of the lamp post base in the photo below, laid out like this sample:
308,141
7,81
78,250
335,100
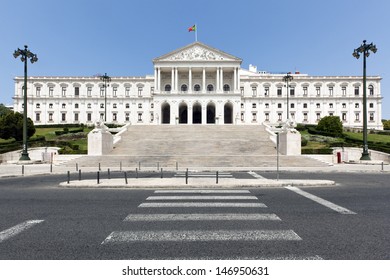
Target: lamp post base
24,157
365,156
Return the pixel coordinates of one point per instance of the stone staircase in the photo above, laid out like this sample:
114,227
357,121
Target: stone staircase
196,146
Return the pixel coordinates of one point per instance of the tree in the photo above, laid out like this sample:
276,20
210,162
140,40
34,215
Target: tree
331,125
4,110
11,126
386,124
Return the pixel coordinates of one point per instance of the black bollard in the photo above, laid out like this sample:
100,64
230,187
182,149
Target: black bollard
79,174
68,176
98,177
217,177
120,166
161,173
136,173
22,169
108,173
77,167
187,176
177,165
99,167
126,177
51,167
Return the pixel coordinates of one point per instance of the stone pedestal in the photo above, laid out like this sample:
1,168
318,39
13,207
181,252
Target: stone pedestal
290,143
100,141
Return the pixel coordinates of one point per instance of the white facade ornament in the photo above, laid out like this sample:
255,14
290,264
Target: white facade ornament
195,53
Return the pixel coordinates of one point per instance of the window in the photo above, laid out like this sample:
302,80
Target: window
152,105
318,105
254,117
318,116
50,117
127,91
63,105
102,116
139,91
184,88
318,91
101,106
266,91
371,105
196,87
242,116
279,91
371,90
51,91
344,105
331,114
356,105
89,106
292,105
305,117
76,117
114,105
76,91
152,90
38,106
226,88
304,91
371,117
63,91
344,91
331,105
267,117
279,105
242,90
280,117
168,88
292,115
127,105
254,91
344,117
139,105
292,91
51,106
102,92
305,105
89,91
89,117
140,117
76,106
63,117
114,91
114,117
37,117
267,105
242,105
127,117
254,105
356,91
330,91
38,91
210,88
357,117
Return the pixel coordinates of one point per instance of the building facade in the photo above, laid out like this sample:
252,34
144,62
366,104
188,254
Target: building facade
198,84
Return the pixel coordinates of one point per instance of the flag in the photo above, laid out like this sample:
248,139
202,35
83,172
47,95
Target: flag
192,28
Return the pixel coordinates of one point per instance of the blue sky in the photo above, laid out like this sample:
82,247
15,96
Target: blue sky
121,37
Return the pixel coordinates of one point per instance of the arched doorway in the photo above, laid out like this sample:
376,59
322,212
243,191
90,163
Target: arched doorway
211,113
166,113
228,113
197,113
183,113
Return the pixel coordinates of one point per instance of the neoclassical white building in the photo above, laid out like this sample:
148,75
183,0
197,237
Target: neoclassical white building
198,84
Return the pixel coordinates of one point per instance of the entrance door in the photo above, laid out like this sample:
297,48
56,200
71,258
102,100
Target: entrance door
228,113
166,113
210,113
197,113
183,113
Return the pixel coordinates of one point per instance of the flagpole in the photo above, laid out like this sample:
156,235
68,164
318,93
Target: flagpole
196,32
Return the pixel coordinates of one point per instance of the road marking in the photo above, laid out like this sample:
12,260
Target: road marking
202,191
201,204
321,201
11,232
205,174
254,174
200,217
197,235
209,197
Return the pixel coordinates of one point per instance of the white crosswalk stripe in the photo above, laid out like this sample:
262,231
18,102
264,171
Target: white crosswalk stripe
202,191
13,231
209,197
254,174
201,204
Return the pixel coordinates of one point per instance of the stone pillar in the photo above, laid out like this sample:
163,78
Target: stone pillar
204,114
217,81
100,141
155,79
190,80
221,82
172,79
176,80
290,142
204,80
159,79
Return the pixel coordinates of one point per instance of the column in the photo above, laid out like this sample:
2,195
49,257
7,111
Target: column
190,80
159,79
176,80
155,79
172,79
221,87
217,81
235,79
204,80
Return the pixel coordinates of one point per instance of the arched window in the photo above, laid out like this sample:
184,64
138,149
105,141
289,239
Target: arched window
197,87
167,88
210,88
226,88
184,88
76,106
371,90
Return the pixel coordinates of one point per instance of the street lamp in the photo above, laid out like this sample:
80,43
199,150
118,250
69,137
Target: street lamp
288,78
106,79
25,54
365,50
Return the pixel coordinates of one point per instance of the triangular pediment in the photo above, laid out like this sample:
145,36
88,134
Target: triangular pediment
197,52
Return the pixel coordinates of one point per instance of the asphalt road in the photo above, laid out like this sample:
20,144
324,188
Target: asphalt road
280,224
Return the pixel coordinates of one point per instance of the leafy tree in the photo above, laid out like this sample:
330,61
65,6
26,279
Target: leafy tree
331,125
4,110
386,124
11,126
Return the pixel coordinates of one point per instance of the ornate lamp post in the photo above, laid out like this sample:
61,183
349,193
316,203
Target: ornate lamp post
288,78
106,79
25,54
365,50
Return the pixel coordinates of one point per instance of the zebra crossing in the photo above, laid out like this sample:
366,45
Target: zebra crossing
207,174
245,208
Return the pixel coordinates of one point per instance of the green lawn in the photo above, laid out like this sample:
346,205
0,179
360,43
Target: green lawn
371,137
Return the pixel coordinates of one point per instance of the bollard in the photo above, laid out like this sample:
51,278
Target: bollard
126,177
22,169
68,176
79,174
99,167
382,165
161,173
187,176
177,165
120,166
77,167
108,173
136,173
51,168
98,177
217,178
